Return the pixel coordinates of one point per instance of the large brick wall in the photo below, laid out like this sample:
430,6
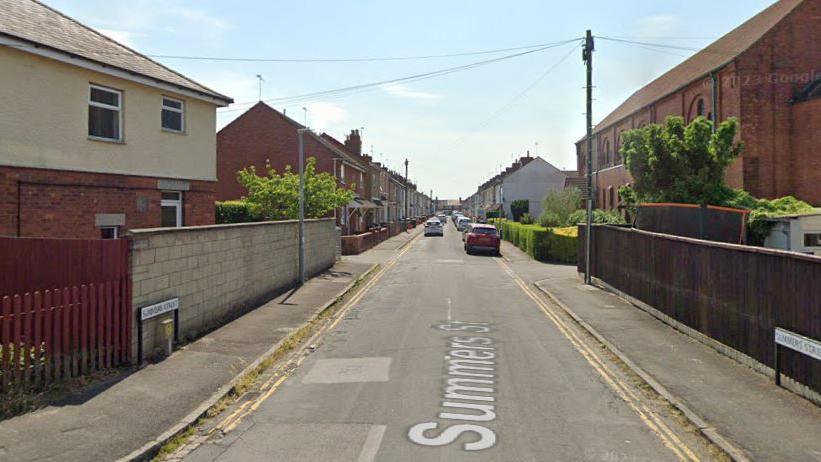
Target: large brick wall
221,271
63,204
756,87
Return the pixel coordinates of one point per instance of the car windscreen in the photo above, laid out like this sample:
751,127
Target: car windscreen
486,231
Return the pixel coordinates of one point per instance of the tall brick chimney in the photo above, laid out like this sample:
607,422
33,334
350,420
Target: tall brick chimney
354,142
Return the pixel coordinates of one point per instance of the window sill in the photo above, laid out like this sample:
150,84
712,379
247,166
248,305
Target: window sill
174,132
105,140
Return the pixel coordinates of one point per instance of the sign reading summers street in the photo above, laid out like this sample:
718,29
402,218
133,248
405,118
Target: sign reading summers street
150,311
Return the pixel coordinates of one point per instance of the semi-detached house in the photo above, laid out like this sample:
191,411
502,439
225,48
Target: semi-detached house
96,138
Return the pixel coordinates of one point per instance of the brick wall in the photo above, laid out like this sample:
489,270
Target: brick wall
807,117
221,271
63,204
259,136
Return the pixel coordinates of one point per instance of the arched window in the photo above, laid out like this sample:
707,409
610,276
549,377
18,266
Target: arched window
697,108
607,154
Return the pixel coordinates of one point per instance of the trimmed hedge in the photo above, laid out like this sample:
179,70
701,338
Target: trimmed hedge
236,212
543,244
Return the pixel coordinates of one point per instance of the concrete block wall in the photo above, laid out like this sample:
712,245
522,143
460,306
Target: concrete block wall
220,271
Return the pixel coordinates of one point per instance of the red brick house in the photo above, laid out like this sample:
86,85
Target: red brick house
96,138
264,136
767,73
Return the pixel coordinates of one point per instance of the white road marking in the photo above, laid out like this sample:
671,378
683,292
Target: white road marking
449,308
372,442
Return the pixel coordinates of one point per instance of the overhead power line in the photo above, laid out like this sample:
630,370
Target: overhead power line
519,95
307,60
353,89
671,47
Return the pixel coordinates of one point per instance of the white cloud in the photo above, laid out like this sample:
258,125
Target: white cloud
125,37
402,91
657,25
198,17
325,116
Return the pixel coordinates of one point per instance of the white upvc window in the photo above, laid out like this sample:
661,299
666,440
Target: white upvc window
171,209
109,232
342,172
105,113
173,115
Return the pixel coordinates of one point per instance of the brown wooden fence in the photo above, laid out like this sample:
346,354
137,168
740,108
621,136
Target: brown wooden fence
65,308
734,294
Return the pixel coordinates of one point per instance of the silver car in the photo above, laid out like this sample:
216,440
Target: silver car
462,222
433,227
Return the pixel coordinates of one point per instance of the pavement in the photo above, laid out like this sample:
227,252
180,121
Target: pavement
140,409
765,422
452,357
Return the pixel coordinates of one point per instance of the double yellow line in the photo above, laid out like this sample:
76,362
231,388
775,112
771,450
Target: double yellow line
295,359
622,389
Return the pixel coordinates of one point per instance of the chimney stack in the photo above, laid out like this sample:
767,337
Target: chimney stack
354,142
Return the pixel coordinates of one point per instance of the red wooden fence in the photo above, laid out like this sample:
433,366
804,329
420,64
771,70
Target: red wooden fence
50,333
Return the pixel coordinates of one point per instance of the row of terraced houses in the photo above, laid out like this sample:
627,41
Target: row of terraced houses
96,139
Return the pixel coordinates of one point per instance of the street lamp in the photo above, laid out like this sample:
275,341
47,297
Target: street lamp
301,133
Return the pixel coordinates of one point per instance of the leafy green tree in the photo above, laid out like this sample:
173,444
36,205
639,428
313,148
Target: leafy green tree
675,162
519,207
558,205
276,196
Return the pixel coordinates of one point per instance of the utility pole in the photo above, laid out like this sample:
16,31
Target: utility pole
587,56
301,133
407,191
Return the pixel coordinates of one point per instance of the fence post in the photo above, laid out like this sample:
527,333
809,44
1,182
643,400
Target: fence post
777,366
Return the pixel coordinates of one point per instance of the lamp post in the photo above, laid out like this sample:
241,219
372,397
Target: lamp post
301,133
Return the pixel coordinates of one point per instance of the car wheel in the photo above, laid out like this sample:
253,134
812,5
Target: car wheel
468,250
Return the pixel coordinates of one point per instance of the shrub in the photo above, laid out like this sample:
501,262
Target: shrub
558,205
518,208
236,212
599,217
549,219
543,244
758,228
526,219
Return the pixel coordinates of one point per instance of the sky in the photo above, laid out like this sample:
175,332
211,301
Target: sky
456,130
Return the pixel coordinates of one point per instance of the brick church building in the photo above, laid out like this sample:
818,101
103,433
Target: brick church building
767,73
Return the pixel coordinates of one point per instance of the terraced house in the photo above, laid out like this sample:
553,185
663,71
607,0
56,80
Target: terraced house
767,73
96,138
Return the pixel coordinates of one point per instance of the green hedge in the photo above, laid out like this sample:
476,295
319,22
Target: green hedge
236,212
543,244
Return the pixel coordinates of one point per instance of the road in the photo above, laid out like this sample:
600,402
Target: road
453,357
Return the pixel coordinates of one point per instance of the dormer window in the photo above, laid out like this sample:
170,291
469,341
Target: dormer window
173,115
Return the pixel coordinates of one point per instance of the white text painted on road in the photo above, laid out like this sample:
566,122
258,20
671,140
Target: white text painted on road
468,389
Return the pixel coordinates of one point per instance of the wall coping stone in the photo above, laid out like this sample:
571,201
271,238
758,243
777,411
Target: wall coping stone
150,231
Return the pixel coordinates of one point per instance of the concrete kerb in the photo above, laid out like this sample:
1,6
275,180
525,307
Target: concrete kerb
150,449
733,451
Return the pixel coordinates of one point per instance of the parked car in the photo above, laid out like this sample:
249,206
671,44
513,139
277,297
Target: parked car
461,223
433,227
467,230
443,218
482,238
456,216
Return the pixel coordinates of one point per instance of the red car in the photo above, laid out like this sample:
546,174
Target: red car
482,237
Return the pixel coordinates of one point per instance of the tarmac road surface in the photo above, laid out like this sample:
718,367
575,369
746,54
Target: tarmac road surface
450,357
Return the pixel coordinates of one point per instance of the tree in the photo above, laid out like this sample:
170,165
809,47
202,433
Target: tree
519,207
276,196
675,162
558,205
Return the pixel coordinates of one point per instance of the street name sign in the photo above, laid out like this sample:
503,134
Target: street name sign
798,343
150,311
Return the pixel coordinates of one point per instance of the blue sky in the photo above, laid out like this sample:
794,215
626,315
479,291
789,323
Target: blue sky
457,129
